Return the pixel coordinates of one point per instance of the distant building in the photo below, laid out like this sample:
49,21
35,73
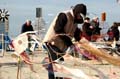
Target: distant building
39,22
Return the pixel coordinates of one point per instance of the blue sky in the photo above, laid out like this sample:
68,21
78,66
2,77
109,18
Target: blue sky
20,10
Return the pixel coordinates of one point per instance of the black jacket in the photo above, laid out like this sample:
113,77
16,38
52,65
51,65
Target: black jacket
26,28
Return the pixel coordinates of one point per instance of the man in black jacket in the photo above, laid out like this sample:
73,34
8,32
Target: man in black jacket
25,28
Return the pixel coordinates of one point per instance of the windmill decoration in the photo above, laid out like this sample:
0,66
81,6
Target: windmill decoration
4,15
4,27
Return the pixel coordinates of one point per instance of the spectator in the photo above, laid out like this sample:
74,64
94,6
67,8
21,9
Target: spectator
95,24
87,29
113,33
25,28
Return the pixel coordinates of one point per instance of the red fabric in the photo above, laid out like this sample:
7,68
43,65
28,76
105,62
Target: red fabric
95,37
86,53
25,58
110,34
11,44
86,36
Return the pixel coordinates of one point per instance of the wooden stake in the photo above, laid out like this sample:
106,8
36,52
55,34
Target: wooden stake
18,70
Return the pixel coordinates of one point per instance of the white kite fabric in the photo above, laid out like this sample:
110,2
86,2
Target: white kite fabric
20,43
68,70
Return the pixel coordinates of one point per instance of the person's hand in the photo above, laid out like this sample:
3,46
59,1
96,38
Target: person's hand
91,27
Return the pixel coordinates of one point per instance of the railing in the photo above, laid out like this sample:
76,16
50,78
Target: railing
4,44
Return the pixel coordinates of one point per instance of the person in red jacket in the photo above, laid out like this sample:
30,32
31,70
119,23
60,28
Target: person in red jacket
113,33
87,29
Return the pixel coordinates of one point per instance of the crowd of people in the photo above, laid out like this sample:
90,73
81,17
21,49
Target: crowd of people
91,30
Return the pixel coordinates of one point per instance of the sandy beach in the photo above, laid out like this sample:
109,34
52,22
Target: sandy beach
9,68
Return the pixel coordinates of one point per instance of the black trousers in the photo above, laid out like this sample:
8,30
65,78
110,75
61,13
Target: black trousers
51,73
52,56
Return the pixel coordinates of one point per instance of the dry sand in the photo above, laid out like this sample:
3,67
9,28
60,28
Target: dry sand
9,68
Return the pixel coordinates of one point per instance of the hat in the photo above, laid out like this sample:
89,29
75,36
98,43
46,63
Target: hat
80,8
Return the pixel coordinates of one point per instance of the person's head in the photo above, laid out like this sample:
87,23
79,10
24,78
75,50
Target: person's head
79,12
28,22
96,19
87,20
115,24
